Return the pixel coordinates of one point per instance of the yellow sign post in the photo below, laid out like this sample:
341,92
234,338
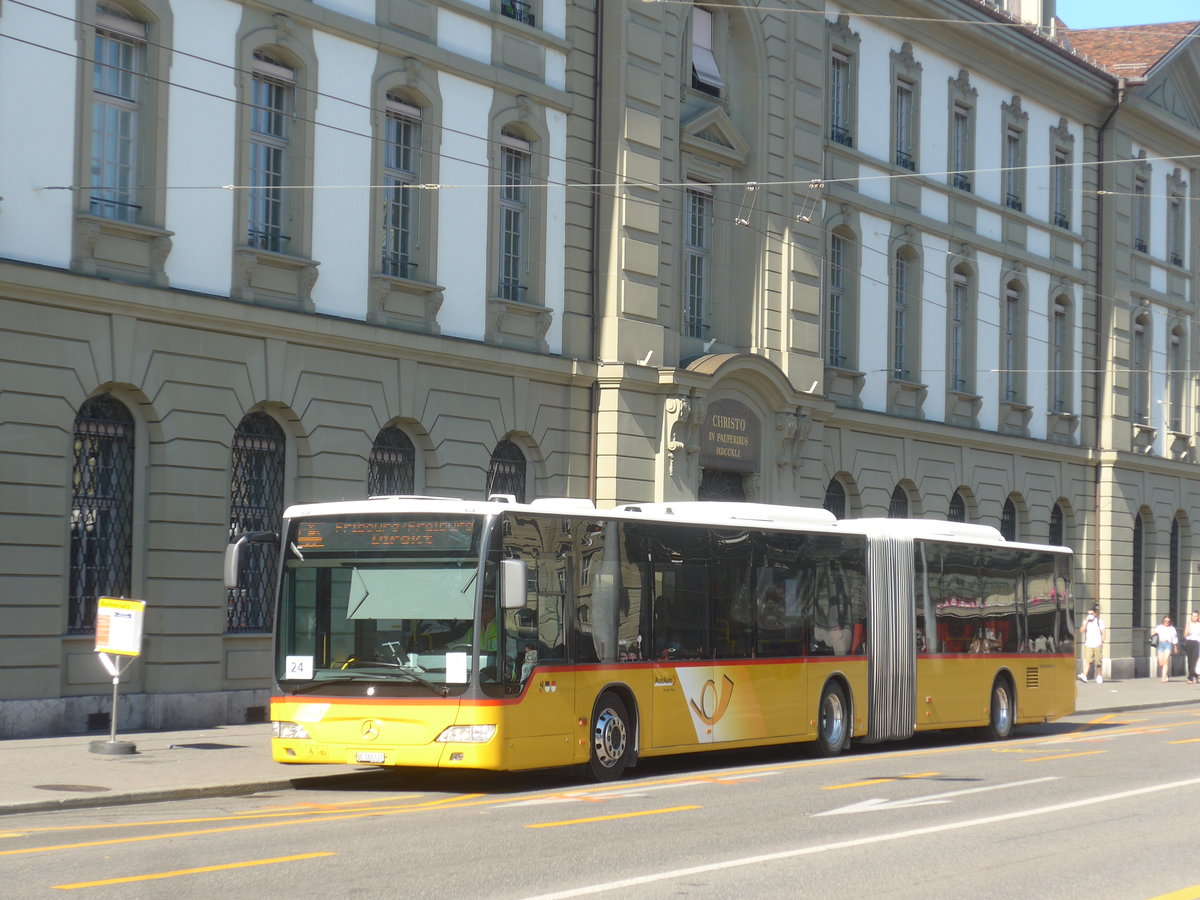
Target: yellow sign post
118,643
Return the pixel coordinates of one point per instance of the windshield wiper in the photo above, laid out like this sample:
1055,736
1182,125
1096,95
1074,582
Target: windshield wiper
324,682
440,689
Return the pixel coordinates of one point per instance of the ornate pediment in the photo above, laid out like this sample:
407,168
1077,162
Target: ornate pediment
1176,96
712,134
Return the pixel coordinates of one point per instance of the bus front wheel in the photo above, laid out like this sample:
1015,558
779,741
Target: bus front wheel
1000,718
610,739
833,721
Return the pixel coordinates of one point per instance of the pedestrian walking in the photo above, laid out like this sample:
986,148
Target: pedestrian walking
1191,643
1093,645
1166,641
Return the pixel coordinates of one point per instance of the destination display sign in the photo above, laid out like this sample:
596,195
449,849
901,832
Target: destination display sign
730,437
353,533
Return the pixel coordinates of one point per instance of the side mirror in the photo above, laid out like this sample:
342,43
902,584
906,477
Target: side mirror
514,583
233,553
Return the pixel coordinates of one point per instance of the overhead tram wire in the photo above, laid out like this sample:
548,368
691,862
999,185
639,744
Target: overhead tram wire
624,184
615,185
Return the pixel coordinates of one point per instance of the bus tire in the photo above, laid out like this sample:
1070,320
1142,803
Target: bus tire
609,738
1001,711
833,721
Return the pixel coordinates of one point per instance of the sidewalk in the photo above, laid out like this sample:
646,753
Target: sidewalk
60,772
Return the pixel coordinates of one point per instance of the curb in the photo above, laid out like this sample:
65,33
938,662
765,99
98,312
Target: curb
160,795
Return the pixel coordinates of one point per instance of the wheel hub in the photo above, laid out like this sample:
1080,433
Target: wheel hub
608,738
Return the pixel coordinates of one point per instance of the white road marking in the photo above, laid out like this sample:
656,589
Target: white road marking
878,803
626,883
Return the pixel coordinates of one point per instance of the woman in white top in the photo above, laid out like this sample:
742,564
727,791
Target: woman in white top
1165,640
1191,636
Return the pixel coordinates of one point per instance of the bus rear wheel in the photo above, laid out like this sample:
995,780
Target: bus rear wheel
610,745
1000,717
833,721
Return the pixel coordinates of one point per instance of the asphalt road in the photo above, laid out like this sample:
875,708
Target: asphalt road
1098,807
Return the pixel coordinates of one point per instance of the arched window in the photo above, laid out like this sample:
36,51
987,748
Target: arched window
905,323
101,509
1138,562
1056,525
392,466
840,302
898,507
1061,359
1012,346
1140,371
506,472
960,331
958,508
1177,379
256,504
835,498
1174,586
1008,520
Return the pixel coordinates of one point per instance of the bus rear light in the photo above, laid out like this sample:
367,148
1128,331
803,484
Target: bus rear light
291,730
467,734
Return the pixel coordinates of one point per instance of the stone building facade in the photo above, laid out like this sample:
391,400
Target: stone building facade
828,254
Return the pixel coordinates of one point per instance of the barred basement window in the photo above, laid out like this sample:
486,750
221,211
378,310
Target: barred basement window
898,507
101,510
391,469
256,504
958,509
1008,520
1056,525
835,498
506,472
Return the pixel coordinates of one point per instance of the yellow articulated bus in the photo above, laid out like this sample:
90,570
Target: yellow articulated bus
415,631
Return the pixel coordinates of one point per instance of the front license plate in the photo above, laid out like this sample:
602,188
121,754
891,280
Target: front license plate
373,758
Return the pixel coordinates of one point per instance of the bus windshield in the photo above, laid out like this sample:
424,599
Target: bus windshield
388,602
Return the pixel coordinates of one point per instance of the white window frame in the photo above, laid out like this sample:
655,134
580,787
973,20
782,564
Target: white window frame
1139,358
1060,355
901,311
401,172
115,116
704,59
835,312
516,161
697,259
959,316
269,152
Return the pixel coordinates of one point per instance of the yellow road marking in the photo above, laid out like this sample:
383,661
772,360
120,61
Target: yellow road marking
154,875
853,784
1185,741
1094,722
273,813
870,781
1062,756
1187,893
647,812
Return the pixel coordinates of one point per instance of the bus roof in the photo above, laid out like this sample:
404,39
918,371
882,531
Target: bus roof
698,512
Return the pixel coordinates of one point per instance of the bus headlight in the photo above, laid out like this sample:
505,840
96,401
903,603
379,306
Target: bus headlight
467,734
290,730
